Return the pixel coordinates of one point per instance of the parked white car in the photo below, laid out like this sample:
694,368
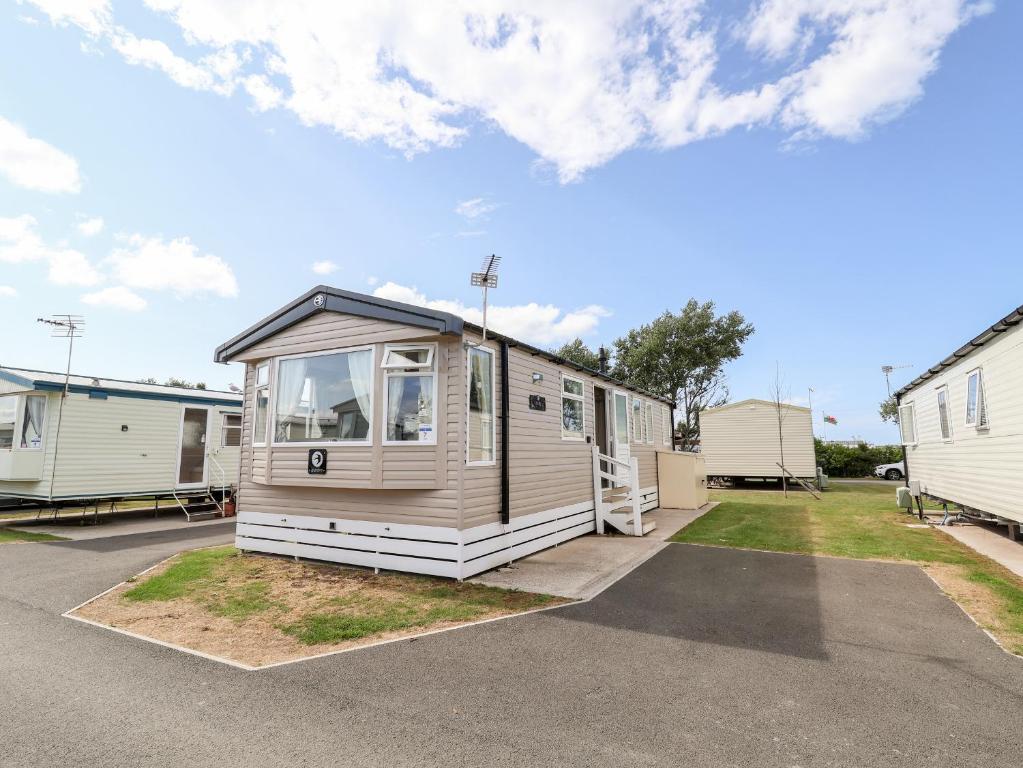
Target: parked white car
894,471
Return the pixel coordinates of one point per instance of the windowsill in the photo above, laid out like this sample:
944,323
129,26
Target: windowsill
472,464
399,443
573,439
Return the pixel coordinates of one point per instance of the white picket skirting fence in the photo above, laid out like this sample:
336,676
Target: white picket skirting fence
433,550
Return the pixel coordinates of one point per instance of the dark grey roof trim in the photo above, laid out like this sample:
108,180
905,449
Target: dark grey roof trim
361,305
337,300
1012,319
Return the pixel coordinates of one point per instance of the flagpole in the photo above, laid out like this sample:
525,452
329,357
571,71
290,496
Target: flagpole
809,397
824,426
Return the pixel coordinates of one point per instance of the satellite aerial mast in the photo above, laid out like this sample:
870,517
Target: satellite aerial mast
887,371
68,327
486,278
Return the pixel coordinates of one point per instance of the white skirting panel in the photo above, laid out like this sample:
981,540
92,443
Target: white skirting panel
423,549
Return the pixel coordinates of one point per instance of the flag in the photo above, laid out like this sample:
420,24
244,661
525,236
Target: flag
831,420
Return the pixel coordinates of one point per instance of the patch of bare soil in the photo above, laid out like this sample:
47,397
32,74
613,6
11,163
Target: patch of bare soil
292,590
981,603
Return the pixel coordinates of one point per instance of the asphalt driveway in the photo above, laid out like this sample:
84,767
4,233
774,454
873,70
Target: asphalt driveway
701,656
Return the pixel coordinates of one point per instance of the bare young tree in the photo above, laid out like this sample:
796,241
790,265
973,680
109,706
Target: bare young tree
779,397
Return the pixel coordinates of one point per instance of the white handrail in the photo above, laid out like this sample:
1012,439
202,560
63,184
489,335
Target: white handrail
215,465
601,508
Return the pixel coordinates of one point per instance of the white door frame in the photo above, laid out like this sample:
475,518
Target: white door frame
205,453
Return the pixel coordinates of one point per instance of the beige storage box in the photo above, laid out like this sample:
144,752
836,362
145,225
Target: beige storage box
681,480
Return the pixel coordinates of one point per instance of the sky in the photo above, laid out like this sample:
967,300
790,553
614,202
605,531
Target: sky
845,173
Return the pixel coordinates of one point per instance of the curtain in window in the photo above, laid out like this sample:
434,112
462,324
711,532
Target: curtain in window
480,396
395,394
291,381
32,426
360,368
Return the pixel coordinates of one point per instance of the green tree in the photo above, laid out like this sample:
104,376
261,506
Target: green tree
174,381
682,357
889,410
578,352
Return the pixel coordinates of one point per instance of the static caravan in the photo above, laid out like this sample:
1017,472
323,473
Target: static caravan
740,440
961,423
391,436
113,439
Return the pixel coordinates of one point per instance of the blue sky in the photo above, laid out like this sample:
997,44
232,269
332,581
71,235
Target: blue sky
857,199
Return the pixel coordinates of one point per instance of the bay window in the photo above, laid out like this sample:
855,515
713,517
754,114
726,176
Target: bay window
481,433
8,413
32,422
572,408
324,398
409,393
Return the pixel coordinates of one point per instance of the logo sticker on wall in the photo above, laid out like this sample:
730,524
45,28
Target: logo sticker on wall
319,300
317,461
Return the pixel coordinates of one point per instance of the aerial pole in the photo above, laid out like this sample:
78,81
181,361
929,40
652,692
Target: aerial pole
486,278
67,327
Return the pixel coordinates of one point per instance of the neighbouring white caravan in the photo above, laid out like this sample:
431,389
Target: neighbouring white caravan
392,436
116,438
740,440
961,423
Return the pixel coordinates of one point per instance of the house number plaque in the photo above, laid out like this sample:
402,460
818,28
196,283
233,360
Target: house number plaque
317,461
537,403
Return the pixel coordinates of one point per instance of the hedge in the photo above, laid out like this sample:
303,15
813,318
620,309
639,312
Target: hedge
843,461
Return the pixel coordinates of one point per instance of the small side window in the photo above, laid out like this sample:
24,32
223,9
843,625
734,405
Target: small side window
231,430
650,423
261,404
944,423
907,424
976,407
572,409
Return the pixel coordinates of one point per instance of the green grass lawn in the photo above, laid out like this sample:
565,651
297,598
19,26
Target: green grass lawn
318,604
10,535
863,522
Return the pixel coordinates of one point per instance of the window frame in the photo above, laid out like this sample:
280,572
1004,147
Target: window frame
257,387
18,416
570,436
940,392
224,429
271,421
912,421
636,431
421,369
431,356
649,423
666,426
493,399
981,404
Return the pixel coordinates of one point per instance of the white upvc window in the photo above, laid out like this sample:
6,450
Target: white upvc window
666,425
907,424
324,398
230,430
410,394
649,422
638,421
976,403
8,416
481,442
261,404
573,408
944,420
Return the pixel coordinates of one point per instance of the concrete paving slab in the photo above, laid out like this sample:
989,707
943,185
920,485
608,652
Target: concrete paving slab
584,567
109,526
989,541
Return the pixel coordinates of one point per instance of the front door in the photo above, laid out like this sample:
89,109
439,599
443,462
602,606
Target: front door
621,431
192,447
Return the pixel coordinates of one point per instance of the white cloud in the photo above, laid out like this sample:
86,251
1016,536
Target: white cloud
536,323
118,297
20,243
325,267
153,264
90,226
7,292
33,164
475,208
471,233
578,81
372,280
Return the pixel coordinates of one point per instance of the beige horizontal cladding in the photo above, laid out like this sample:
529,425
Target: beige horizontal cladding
741,440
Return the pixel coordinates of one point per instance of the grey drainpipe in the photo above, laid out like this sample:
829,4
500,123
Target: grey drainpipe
672,427
505,429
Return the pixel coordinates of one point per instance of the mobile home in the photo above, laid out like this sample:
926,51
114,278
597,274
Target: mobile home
740,440
388,435
113,439
961,423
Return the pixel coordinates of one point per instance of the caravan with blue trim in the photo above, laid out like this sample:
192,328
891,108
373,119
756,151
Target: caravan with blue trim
88,438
